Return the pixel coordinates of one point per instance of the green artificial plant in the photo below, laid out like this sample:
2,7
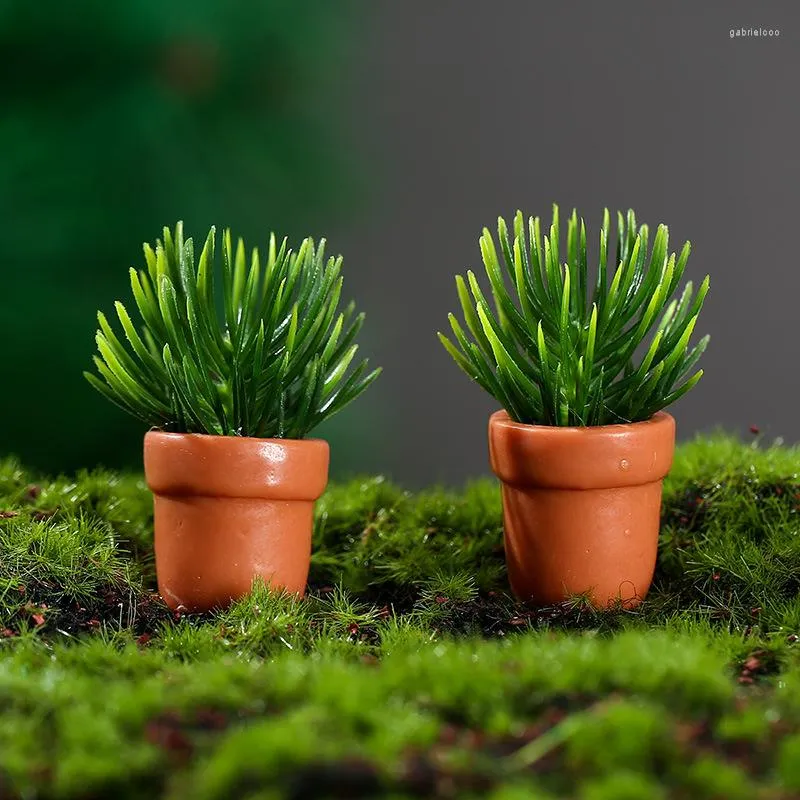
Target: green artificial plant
275,363
555,350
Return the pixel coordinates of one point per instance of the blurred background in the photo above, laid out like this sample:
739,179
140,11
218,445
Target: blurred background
396,130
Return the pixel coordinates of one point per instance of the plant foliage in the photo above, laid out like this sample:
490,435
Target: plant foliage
557,351
276,365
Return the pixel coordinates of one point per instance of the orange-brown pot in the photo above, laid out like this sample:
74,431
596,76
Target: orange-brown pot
231,509
581,506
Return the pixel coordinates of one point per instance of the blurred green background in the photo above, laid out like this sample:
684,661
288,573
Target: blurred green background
396,130
119,118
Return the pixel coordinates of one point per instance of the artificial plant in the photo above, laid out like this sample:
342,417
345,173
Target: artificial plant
275,362
559,348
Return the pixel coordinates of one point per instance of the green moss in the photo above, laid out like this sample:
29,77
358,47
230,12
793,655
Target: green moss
789,762
710,778
407,670
623,785
621,735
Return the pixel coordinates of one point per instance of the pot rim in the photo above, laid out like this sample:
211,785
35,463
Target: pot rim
198,464
258,439
503,418
594,457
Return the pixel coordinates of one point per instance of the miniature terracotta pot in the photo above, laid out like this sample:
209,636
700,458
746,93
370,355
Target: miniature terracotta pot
581,506
231,509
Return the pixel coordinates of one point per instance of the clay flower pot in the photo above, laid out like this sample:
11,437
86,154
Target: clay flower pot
230,509
581,506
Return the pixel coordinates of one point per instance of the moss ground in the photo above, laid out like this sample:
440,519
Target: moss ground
407,671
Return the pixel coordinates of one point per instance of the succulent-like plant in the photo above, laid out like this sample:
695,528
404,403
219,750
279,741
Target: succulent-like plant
555,351
274,364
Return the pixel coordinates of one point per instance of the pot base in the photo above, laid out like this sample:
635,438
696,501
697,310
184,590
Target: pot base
599,551
209,550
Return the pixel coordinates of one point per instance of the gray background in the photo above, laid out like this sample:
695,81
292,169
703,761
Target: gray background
460,111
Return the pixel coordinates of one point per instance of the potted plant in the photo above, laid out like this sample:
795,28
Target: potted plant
582,373
229,398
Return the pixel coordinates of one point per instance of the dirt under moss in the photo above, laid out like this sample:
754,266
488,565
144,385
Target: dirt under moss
408,671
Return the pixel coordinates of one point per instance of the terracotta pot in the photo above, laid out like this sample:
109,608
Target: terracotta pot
581,506
230,509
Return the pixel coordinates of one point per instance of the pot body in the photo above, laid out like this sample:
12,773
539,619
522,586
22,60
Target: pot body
581,506
231,509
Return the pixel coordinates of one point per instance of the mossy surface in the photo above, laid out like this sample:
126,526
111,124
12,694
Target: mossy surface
407,671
